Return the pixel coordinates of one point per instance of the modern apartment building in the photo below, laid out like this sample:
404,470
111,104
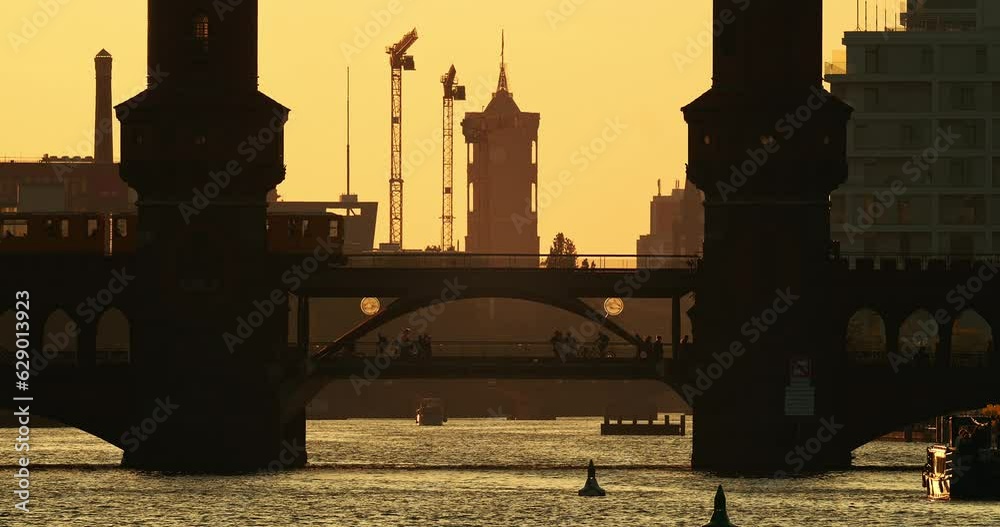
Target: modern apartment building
924,160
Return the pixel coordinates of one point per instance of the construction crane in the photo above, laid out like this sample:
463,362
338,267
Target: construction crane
399,61
452,92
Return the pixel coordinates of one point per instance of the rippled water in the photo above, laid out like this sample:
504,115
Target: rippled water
473,473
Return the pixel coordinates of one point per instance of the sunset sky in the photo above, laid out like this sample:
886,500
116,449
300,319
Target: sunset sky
580,63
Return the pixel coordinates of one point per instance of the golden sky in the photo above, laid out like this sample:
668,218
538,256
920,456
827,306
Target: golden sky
580,63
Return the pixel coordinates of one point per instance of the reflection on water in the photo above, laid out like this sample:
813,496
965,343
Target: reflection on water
474,473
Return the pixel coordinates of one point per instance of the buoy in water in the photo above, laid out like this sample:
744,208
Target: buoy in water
591,488
720,518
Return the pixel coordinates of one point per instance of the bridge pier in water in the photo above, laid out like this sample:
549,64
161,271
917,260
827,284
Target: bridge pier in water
766,146
211,356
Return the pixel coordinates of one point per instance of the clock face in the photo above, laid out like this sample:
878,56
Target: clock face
614,306
370,306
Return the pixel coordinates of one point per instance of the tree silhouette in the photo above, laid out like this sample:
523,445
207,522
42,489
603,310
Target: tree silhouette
562,254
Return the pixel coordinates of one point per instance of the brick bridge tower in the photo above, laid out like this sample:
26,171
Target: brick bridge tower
767,146
503,175
203,147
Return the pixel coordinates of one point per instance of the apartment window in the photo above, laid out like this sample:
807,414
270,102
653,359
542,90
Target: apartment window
958,174
907,135
871,59
334,229
871,99
92,228
981,64
903,210
971,137
927,60
967,98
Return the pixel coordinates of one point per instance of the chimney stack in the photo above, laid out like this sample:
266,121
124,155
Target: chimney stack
103,129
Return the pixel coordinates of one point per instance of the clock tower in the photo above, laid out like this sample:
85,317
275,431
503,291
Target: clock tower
502,146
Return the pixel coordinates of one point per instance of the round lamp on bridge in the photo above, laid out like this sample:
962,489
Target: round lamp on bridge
370,305
614,306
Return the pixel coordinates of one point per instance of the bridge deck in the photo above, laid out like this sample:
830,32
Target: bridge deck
489,368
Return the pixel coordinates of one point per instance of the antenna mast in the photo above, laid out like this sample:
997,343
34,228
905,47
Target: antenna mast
348,131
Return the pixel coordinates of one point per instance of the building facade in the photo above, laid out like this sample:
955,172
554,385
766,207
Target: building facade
924,158
502,146
676,223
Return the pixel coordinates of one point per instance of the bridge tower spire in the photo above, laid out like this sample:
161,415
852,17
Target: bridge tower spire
202,147
767,146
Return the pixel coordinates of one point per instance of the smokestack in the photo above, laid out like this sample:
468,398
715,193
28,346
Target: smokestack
103,130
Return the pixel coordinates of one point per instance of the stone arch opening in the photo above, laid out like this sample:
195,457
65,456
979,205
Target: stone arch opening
866,337
919,338
60,338
113,338
971,340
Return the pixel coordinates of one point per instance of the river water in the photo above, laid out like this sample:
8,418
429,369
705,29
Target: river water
470,473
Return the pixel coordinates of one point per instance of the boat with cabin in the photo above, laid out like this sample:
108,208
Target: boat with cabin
431,412
967,466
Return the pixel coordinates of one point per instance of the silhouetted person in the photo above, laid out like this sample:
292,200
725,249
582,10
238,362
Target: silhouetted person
684,345
638,346
647,348
381,346
557,342
658,348
602,345
572,345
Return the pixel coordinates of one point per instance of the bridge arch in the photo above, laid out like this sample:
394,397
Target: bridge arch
971,340
60,336
404,306
919,337
113,338
866,341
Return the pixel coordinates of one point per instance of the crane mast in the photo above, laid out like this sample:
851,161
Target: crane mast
452,92
399,61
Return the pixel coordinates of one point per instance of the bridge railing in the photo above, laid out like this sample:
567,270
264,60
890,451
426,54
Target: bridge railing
493,349
916,261
595,262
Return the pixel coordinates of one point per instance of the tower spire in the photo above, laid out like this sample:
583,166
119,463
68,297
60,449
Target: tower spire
502,83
